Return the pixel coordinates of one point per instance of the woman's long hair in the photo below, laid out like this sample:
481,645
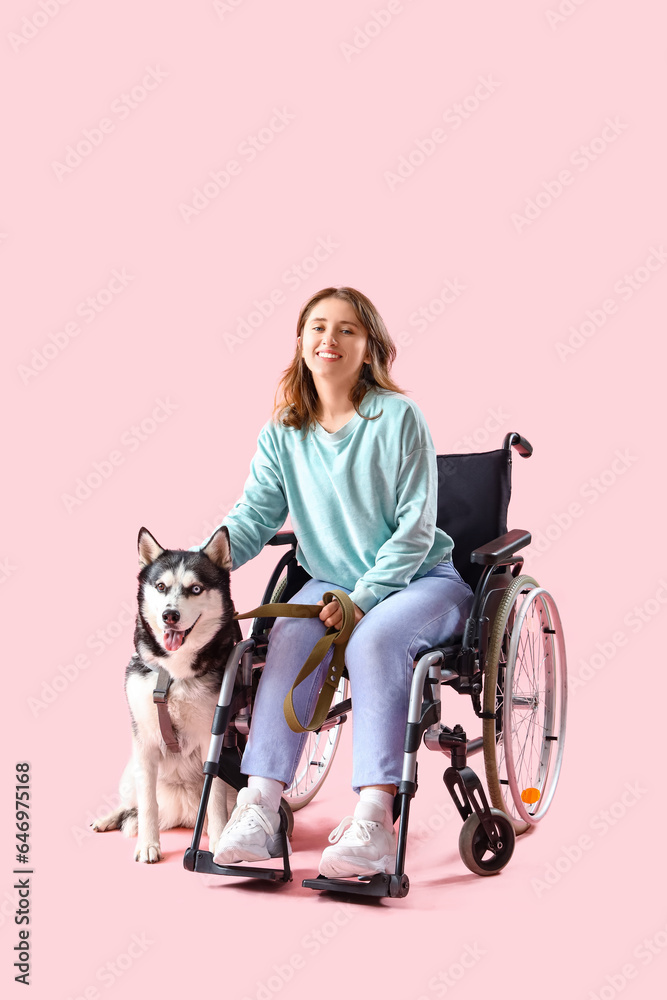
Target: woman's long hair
296,397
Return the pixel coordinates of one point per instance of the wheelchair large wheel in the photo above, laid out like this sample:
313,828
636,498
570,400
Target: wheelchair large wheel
525,687
318,753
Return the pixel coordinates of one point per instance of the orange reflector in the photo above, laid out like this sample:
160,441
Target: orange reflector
530,795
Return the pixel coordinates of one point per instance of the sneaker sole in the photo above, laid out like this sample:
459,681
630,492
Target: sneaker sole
350,867
231,857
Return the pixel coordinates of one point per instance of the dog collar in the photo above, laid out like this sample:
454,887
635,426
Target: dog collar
160,695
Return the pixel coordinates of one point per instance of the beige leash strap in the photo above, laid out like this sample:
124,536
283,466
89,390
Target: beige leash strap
337,637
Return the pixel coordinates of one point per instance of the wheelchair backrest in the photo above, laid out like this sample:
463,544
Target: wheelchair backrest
473,497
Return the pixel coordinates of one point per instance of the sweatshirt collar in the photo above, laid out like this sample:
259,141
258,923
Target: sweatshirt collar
340,434
366,408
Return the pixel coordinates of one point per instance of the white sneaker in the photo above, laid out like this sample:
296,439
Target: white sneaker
252,833
365,848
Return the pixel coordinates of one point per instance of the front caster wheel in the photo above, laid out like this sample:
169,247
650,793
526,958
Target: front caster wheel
475,849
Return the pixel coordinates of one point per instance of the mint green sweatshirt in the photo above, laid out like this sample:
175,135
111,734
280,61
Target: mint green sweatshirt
362,501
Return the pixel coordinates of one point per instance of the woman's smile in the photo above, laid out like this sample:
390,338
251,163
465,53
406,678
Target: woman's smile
333,323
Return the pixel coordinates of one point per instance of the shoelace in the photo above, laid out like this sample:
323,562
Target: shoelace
248,815
359,828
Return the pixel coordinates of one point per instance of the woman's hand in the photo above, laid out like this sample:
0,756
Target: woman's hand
332,615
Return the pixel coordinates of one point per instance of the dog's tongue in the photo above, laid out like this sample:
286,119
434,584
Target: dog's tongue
173,639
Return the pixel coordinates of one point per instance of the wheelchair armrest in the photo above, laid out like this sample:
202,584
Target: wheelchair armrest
500,548
283,538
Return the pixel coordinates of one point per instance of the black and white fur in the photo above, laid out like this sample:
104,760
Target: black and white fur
184,602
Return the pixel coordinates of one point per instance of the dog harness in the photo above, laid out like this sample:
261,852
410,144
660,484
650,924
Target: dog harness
160,695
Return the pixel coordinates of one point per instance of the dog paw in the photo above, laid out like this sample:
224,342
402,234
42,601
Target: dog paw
148,853
104,823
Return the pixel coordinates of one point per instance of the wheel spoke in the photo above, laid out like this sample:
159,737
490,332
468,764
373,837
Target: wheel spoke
318,753
529,679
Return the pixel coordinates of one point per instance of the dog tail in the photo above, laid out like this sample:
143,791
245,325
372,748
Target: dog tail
127,822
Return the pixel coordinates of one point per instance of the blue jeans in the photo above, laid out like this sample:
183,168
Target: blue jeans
379,659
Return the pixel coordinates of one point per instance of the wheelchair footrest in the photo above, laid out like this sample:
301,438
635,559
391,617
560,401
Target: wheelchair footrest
373,885
202,861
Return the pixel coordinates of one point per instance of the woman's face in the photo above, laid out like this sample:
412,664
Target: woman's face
334,344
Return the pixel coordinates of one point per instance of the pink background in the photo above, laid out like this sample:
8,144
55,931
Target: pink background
488,363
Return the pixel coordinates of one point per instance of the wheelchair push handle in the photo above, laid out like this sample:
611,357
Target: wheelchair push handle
522,445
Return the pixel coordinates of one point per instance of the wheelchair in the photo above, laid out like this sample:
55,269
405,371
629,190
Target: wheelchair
510,660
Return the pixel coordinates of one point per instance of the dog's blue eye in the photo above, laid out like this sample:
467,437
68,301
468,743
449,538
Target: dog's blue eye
196,589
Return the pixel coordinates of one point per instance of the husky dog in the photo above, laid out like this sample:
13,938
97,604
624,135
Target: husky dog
184,624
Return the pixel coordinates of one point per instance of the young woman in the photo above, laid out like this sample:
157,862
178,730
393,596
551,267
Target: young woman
349,457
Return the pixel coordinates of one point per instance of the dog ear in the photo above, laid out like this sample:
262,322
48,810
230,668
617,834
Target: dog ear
219,550
149,548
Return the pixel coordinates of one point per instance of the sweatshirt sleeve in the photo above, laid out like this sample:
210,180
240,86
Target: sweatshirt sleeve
401,555
262,509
